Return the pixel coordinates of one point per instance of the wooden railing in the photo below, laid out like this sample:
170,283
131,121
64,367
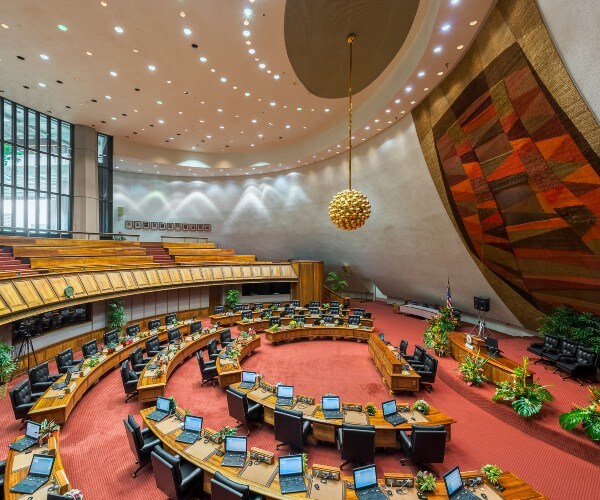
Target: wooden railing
329,294
184,238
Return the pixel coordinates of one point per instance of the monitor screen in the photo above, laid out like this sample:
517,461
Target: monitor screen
365,477
290,465
133,330
219,309
353,320
153,324
163,404
389,407
236,444
196,327
330,403
453,481
170,318
192,424
249,377
41,465
381,336
285,391
32,430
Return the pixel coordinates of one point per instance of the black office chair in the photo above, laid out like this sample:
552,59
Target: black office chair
141,442
357,444
153,346
2,472
244,412
111,337
175,477
566,349
550,345
425,445
223,488
290,429
65,360
225,337
137,360
417,358
213,350
207,369
427,371
173,334
402,347
40,378
129,379
22,399
581,366
89,348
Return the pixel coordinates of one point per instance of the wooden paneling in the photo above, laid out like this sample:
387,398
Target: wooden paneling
84,262
43,287
200,251
190,259
76,251
29,293
389,363
310,281
12,298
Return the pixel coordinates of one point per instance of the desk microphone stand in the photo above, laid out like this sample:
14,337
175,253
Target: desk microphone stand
482,330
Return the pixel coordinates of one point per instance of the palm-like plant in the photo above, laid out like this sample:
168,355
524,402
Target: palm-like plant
336,282
472,369
588,417
8,366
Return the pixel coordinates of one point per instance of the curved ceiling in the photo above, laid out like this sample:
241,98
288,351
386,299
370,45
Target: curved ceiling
316,34
189,84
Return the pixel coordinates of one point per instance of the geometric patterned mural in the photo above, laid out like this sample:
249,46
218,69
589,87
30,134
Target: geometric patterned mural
521,181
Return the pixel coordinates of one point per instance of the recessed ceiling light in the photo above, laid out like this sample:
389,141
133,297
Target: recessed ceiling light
246,33
366,128
251,51
397,101
42,84
298,108
421,74
288,126
104,4
44,57
5,26
269,71
273,103
62,27
326,110
135,50
246,22
388,110
209,136
223,79
187,31
161,121
113,118
412,102
409,89
460,47
221,127
182,14
262,65
426,89
169,81
212,70
437,50
472,23
158,102
260,135
440,73
276,77
203,59
454,2
220,110
446,27
151,67
254,121
247,94
118,29
113,73
107,97
89,53
248,42
377,120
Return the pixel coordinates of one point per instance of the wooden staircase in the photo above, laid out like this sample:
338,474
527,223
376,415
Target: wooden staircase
158,253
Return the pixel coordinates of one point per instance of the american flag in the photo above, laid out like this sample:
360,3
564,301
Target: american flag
449,296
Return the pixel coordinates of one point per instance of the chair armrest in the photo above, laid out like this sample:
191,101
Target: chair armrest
25,406
76,361
37,395
195,475
404,440
340,438
54,377
226,343
147,433
566,359
536,344
149,445
40,386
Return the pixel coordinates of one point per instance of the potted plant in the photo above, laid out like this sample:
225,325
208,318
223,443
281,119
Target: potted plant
439,326
527,397
274,328
425,483
492,472
293,324
326,306
336,282
226,431
472,369
8,366
232,298
370,408
116,315
421,406
74,494
588,417
47,427
233,353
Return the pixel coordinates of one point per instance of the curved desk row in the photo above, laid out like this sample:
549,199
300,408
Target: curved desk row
264,478
230,369
314,332
324,429
17,465
261,325
236,318
396,373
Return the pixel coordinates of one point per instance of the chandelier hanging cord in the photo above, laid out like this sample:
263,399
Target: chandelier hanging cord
351,39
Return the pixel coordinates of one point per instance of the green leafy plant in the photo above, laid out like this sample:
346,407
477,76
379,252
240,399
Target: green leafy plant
232,298
226,431
527,396
47,427
564,322
588,417
422,406
492,472
472,369
370,408
336,282
293,324
304,461
439,326
116,315
425,481
8,366
274,328
92,361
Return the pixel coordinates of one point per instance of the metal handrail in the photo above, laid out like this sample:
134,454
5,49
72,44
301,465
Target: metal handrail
60,232
197,238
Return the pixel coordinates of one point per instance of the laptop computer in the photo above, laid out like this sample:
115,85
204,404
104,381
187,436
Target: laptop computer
57,386
365,483
163,408
455,487
390,413
39,472
32,432
291,474
192,427
285,395
331,407
248,380
235,451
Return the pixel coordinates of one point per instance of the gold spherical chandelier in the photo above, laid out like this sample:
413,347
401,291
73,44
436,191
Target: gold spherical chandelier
349,209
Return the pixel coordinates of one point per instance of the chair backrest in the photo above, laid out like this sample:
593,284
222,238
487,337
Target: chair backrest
89,348
167,472
427,444
212,347
568,348
64,358
225,335
551,341
237,402
111,337
429,363
403,347
419,353
358,443
136,357
39,373
134,438
222,488
585,356
152,344
174,334
288,427
21,394
127,374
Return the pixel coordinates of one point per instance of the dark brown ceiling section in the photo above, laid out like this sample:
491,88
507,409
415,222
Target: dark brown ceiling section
316,33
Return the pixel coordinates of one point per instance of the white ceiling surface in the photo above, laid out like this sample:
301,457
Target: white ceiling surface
154,28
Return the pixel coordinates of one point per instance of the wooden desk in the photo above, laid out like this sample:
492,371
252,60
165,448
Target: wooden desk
386,360
231,319
150,387
11,478
57,405
496,370
230,370
324,429
335,332
261,325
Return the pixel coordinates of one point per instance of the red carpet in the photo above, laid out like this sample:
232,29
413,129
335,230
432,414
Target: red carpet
98,460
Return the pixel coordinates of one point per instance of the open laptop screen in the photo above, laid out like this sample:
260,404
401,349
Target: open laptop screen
453,481
249,377
290,465
365,477
285,391
192,424
235,444
32,430
163,404
389,407
41,465
330,403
